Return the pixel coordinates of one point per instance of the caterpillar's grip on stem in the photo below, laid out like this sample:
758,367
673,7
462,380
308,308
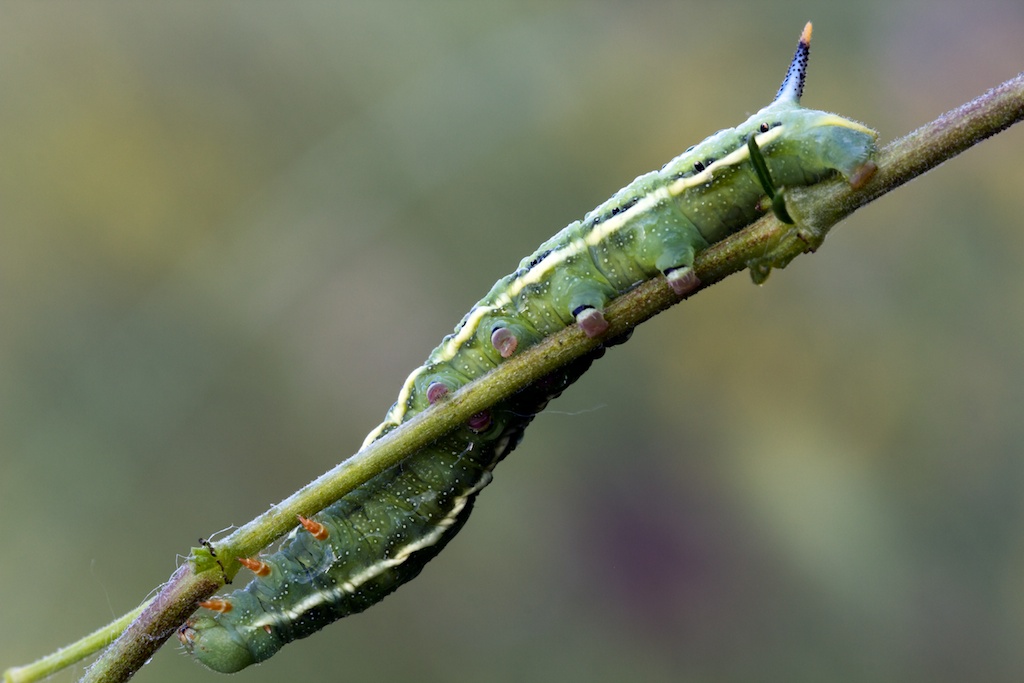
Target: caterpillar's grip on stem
359,549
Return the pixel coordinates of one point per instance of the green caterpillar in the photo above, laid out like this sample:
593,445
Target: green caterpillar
381,535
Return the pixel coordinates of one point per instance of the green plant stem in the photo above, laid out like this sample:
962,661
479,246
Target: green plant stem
69,655
767,243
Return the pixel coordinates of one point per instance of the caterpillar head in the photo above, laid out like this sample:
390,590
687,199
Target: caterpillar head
219,648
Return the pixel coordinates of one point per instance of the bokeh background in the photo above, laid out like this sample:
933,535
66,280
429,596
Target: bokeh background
229,230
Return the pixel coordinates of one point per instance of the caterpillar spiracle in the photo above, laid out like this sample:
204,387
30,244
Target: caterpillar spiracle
362,547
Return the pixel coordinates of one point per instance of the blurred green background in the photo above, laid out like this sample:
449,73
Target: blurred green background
229,230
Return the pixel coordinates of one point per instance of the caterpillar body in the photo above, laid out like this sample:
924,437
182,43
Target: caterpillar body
380,535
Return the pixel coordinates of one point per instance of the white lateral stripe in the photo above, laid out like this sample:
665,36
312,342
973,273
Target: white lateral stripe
736,157
557,257
353,583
